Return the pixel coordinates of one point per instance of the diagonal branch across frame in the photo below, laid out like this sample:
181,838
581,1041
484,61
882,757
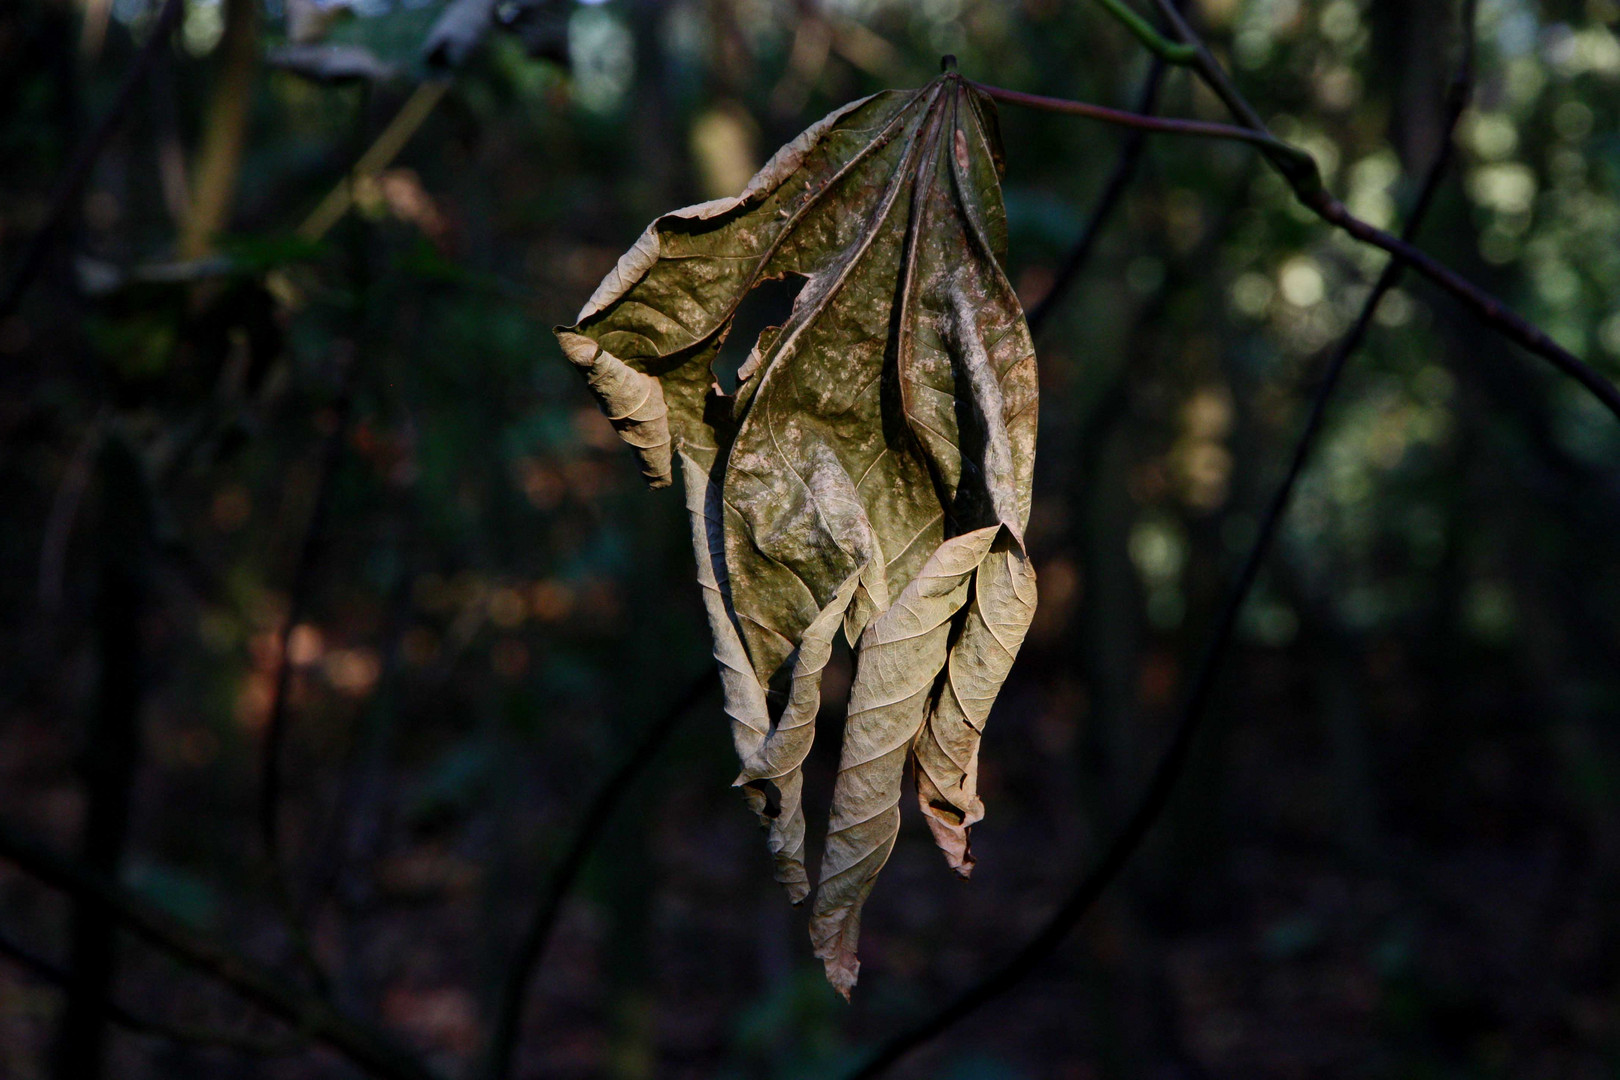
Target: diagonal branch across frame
1195,710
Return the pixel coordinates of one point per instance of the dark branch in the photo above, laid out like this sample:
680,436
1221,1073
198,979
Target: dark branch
44,969
275,732
1196,706
365,1046
515,987
1162,124
73,180
1487,308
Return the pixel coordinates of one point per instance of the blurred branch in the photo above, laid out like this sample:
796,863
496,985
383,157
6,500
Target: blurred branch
1196,705
1130,155
64,513
219,160
375,159
275,732
1171,52
73,180
515,986
360,1043
44,969
112,744
1311,194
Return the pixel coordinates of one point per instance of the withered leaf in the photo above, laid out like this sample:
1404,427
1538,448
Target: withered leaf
871,473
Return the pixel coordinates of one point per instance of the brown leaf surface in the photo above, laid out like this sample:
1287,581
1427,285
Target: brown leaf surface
872,472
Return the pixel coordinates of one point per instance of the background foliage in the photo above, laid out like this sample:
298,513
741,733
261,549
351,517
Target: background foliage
1397,853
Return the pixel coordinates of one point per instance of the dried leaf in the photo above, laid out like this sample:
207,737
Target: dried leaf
871,473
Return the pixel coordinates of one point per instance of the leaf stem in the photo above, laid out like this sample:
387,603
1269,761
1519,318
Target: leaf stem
1165,125
1294,163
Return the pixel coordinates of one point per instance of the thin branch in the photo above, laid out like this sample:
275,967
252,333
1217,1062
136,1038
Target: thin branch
73,180
365,1046
505,1034
1162,124
1310,193
1171,52
1196,706
383,151
185,1035
275,732
1130,155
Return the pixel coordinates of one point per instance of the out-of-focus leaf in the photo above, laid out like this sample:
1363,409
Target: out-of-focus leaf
871,472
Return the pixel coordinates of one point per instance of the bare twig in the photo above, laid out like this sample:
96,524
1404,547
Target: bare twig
64,512
73,180
375,159
275,731
1130,155
1196,706
1302,161
362,1044
42,968
1310,193
514,989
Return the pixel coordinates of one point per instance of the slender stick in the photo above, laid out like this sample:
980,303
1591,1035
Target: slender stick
365,1046
89,152
1171,52
531,950
1196,707
1162,124
374,160
309,551
1487,308
1130,155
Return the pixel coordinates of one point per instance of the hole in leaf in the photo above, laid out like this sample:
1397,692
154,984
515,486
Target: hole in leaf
769,304
773,797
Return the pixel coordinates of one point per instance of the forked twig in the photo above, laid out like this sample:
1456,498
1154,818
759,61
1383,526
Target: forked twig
1298,168
1196,707
1310,193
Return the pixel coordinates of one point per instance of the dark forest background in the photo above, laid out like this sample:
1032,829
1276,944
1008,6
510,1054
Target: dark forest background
268,462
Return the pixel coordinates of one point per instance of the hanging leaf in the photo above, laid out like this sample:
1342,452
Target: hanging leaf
871,473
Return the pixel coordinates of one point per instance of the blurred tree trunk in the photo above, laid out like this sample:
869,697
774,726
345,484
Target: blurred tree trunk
111,749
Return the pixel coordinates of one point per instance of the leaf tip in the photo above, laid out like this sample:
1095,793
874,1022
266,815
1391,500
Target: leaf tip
842,971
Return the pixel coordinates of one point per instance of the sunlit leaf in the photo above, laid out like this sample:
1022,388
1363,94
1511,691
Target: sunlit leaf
871,473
